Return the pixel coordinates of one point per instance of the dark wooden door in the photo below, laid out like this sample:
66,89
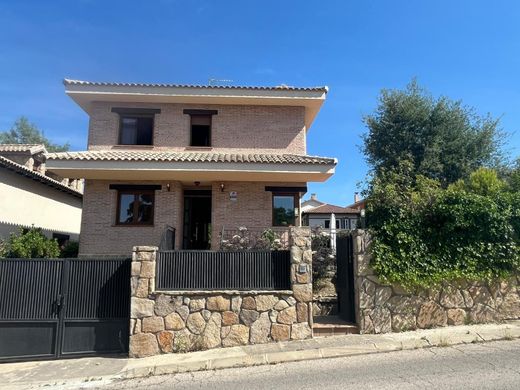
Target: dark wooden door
197,219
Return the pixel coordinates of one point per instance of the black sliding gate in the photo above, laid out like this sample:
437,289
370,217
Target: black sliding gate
345,278
56,308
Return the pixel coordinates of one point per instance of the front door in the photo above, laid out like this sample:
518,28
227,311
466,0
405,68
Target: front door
197,219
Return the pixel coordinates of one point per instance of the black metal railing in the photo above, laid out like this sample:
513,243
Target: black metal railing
219,270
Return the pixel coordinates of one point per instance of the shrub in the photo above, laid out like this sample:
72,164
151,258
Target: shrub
244,239
31,244
423,234
70,249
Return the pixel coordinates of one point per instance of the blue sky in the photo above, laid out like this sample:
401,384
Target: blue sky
465,49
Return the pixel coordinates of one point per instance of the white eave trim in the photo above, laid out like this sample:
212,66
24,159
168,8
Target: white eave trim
188,166
192,171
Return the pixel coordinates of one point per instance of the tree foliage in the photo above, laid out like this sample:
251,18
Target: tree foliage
437,207
30,244
424,234
441,138
25,132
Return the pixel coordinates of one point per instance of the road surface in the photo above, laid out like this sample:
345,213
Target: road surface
494,365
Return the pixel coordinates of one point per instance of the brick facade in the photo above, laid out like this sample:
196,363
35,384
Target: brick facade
258,129
236,128
100,235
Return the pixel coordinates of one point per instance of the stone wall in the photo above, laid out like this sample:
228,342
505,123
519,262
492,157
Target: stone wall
182,321
384,308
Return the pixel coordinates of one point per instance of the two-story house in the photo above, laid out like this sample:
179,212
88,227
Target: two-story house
196,158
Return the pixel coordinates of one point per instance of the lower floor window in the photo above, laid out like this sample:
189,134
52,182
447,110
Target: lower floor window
135,208
284,209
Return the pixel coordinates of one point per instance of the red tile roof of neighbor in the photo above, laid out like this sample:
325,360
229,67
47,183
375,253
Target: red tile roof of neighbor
329,209
138,155
159,85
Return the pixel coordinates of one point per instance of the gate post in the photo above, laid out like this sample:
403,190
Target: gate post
301,275
142,284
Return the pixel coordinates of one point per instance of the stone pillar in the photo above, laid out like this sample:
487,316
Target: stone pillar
364,289
301,278
142,284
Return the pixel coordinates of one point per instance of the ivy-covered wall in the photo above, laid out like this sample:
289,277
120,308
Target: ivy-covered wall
383,308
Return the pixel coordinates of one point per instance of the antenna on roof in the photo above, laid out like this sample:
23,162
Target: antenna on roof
213,82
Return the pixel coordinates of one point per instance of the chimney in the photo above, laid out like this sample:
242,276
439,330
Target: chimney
313,197
356,197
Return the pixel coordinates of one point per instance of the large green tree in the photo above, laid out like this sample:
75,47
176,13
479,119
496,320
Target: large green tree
25,132
441,138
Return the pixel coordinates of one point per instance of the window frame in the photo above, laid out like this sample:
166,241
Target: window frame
136,193
200,112
135,116
210,140
295,197
132,112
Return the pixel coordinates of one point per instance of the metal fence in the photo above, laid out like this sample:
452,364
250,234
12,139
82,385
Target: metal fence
221,270
52,308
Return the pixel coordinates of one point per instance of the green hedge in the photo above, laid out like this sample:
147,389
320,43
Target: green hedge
424,234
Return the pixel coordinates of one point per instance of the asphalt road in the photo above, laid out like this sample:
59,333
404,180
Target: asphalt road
494,365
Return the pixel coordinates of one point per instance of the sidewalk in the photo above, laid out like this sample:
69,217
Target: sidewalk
89,372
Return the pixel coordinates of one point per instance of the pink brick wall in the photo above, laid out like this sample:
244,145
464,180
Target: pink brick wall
100,236
260,129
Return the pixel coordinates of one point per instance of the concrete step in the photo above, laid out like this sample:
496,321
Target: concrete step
332,326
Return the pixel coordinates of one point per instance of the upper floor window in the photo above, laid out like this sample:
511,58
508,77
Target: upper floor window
200,126
136,125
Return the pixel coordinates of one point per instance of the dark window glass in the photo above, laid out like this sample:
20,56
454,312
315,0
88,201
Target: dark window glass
201,130
145,208
136,130
284,210
327,224
135,208
61,238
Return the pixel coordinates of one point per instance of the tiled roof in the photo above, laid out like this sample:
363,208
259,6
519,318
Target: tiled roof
32,148
159,85
213,157
24,171
330,208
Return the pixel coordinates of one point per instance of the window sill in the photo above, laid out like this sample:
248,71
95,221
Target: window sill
198,148
118,146
132,226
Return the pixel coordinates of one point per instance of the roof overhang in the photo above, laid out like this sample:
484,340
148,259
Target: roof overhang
85,93
191,171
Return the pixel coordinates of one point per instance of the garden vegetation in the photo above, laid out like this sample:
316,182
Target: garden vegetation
442,203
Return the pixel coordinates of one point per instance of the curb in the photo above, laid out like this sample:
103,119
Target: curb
391,343
325,348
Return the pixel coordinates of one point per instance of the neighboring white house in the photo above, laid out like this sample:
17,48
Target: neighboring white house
316,213
29,198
